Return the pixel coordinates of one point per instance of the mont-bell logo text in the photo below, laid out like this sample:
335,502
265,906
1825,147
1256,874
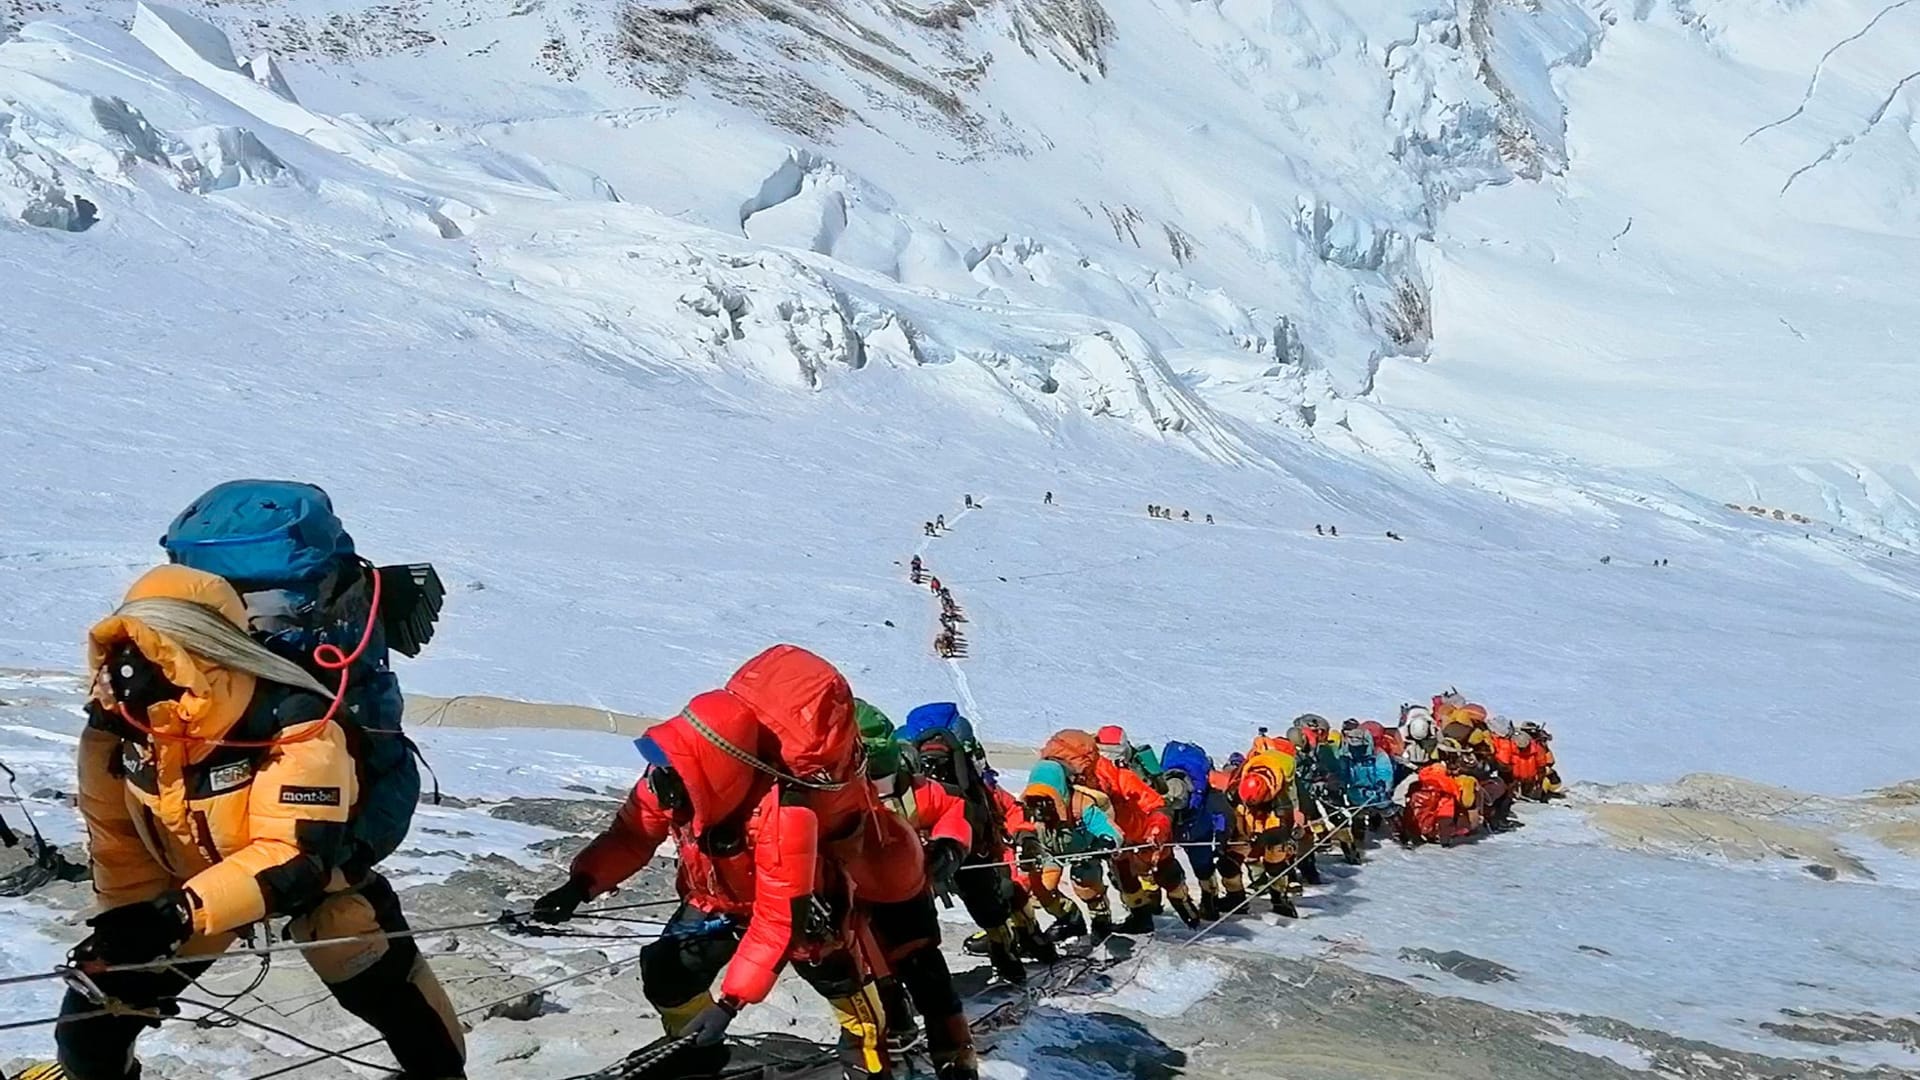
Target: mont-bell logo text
310,796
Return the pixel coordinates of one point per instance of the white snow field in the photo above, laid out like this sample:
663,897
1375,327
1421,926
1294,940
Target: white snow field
661,328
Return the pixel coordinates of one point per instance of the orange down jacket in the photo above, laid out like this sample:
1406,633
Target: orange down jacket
241,796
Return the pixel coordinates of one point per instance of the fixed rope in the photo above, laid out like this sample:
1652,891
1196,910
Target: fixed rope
504,920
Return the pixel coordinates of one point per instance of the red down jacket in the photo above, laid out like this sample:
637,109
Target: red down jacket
777,865
806,712
934,812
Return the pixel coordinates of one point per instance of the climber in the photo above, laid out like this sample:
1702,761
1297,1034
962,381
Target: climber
933,585
1048,501
1544,784
943,741
1265,828
1366,776
1417,737
969,502
1139,812
757,890
909,931
1158,869
1153,511
927,527
1316,784
1186,515
218,794
1138,759
940,523
1200,812
916,569
944,645
1319,531
1065,828
1439,799
1209,519
1497,756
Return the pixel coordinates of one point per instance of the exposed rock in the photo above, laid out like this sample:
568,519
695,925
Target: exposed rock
1464,965
583,816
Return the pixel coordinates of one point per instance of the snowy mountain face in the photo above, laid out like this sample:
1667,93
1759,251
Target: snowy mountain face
1654,243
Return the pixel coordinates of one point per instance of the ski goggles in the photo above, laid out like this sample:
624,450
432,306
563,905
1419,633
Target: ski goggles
669,789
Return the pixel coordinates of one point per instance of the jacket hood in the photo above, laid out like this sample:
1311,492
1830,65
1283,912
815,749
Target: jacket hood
1074,749
215,697
1049,779
806,707
718,783
874,724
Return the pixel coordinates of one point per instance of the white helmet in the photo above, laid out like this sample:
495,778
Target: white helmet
1522,740
1418,723
1500,726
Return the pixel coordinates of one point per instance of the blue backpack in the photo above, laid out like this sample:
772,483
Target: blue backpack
285,551
1189,758
939,714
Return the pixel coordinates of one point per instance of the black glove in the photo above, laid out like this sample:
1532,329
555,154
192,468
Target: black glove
709,1028
559,905
138,933
944,857
1032,854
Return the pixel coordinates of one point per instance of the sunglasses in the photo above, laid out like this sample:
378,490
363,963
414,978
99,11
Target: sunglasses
669,789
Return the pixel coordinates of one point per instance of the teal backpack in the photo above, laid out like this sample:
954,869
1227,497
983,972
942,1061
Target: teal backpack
282,547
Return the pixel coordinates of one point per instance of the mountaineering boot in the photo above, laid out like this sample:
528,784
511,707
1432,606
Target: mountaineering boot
1233,901
1155,905
1183,907
1005,963
1283,904
1209,906
1068,926
976,944
903,1026
1138,921
1034,945
1101,927
1310,871
957,1070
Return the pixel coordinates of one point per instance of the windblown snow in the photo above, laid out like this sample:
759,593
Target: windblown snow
662,326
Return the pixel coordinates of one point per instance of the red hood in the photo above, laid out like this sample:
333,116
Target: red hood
806,707
718,783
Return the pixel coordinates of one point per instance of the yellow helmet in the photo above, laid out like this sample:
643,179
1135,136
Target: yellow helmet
45,1070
